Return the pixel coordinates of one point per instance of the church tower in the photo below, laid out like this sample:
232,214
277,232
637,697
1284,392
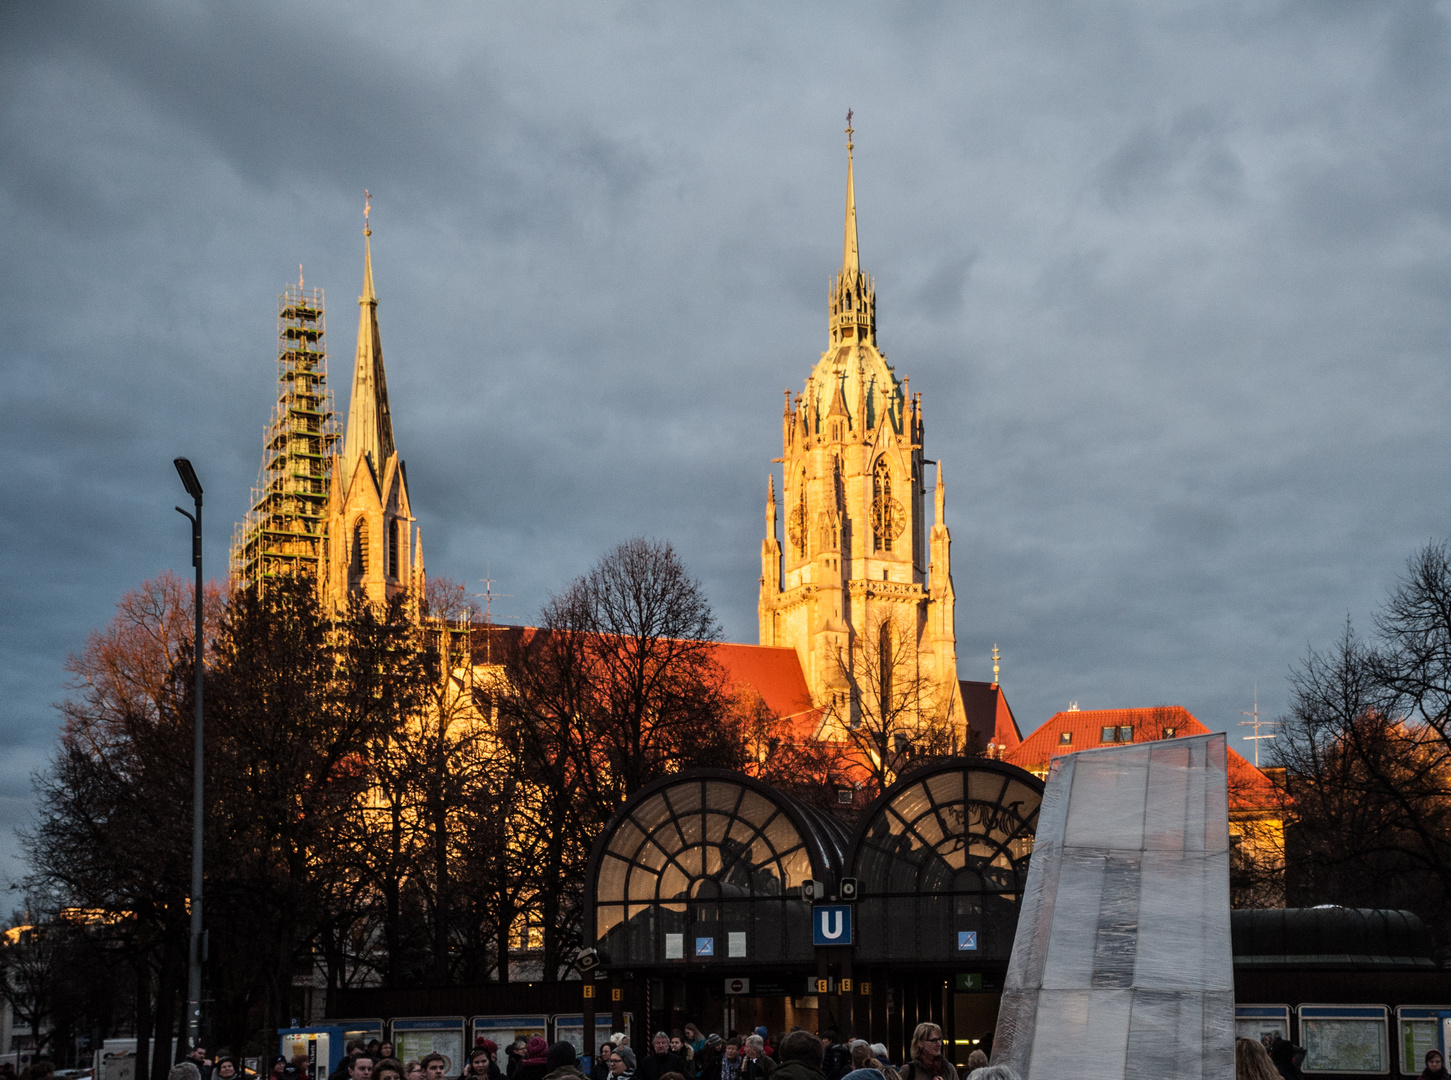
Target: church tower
374,547
862,590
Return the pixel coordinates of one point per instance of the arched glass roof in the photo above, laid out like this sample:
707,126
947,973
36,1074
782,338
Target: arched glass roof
707,866
942,860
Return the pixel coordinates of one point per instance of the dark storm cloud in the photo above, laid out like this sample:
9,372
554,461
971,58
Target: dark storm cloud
1173,282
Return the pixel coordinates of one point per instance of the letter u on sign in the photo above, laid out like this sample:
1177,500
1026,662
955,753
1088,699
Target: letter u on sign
831,924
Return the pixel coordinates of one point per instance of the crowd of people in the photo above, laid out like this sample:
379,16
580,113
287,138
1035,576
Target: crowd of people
689,1054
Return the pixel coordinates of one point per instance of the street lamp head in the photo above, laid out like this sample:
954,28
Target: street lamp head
188,478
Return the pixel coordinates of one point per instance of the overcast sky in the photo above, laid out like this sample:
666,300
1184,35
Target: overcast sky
1174,282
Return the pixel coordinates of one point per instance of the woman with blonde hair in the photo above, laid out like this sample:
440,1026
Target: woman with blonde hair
1251,1062
925,1057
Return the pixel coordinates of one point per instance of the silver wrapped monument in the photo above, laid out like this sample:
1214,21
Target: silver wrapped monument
1121,964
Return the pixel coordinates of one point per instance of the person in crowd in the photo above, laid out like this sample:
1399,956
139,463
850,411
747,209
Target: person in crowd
728,1065
1435,1067
694,1037
707,1062
413,1070
515,1054
976,1060
434,1066
767,1047
362,1066
534,1063
879,1051
1252,1061
925,1059
660,1060
185,1069
683,1050
198,1057
225,1069
600,1068
481,1062
385,1050
620,1038
563,1063
389,1069
800,1055
756,1064
1285,1055
994,1072
275,1069
622,1063
374,1049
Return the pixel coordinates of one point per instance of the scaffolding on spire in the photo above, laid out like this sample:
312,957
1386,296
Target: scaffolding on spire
285,531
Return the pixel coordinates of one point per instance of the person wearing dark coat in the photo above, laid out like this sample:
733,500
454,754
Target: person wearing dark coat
1435,1067
1286,1056
800,1058
534,1063
562,1062
661,1061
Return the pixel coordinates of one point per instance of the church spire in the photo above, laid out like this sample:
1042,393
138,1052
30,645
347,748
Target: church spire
370,425
850,260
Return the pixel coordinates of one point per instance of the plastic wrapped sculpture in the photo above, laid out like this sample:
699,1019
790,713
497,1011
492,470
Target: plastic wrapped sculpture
1121,965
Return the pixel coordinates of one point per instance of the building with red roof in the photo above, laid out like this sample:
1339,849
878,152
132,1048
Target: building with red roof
1256,812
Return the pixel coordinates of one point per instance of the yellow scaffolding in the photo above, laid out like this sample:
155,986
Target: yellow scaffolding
286,529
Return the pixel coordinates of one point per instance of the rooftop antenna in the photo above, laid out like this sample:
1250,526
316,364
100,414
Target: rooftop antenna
1256,723
1073,706
489,594
996,657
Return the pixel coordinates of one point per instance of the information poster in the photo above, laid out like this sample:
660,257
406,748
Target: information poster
413,1045
1417,1037
570,1029
1344,1045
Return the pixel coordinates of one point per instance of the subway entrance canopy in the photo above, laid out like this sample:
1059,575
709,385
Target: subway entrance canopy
704,886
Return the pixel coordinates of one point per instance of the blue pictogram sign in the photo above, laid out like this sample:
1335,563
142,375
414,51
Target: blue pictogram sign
966,940
705,946
831,924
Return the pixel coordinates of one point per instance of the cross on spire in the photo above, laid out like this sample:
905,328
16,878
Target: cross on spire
848,129
367,207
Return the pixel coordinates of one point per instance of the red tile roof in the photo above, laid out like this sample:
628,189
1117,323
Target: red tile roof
1249,788
990,716
774,673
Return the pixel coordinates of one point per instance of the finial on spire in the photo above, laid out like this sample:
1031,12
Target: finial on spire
996,657
848,131
299,277
367,206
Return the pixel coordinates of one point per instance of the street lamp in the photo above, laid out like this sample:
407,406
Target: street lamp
194,967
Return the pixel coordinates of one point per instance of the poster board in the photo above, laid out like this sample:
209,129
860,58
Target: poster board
1420,1028
569,1027
415,1036
1345,1039
321,1046
1252,1021
505,1029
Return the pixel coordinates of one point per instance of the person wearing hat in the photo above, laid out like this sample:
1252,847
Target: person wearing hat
562,1062
534,1064
622,1064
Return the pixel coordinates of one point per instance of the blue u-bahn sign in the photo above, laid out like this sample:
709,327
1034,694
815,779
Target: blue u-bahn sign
831,924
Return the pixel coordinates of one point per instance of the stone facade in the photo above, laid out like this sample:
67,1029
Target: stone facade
861,576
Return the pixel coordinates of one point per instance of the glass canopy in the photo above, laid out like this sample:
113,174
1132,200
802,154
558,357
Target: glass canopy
707,867
942,862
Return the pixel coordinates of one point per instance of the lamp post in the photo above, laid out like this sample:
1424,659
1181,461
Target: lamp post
194,965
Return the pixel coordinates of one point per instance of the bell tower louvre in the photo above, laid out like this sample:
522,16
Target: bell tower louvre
860,577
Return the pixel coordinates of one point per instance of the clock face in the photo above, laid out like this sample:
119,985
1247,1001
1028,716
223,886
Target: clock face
796,528
888,519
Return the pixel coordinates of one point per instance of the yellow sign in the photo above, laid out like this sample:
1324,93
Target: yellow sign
589,990
821,986
865,988
617,994
845,985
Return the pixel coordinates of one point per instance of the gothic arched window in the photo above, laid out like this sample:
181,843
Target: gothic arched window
359,565
886,511
393,545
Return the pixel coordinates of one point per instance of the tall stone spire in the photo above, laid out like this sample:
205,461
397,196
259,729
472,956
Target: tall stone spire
850,260
370,426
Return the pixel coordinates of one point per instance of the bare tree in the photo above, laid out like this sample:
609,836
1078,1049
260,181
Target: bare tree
885,710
